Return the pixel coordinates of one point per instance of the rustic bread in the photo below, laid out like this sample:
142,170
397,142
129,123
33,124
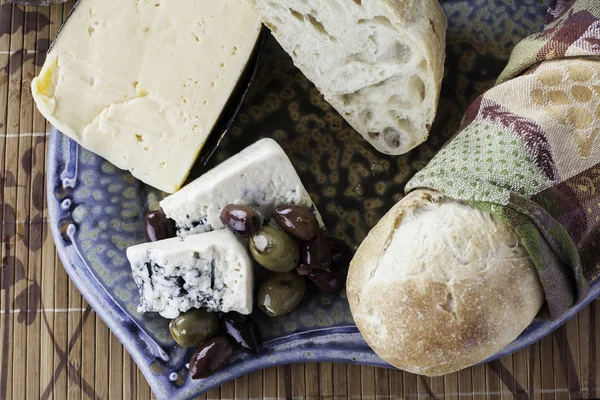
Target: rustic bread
378,62
439,285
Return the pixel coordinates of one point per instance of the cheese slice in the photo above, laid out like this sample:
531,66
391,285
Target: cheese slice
211,270
142,83
260,176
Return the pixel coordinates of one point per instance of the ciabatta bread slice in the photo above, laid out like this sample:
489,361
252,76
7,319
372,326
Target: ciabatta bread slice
379,63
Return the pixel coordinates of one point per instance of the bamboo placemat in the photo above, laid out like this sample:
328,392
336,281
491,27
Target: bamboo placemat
53,346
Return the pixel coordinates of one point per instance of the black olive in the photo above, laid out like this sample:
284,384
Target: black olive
296,220
158,227
242,220
316,253
243,331
304,269
210,357
341,253
326,281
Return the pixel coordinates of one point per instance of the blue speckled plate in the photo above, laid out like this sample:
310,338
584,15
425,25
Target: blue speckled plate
96,210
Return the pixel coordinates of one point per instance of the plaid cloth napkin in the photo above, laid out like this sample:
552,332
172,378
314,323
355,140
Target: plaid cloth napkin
528,151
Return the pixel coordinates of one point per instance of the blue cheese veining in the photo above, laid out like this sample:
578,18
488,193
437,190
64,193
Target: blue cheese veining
261,176
211,270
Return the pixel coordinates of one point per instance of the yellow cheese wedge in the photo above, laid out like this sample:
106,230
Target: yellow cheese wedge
142,83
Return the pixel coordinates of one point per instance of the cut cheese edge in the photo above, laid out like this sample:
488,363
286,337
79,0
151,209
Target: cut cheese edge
260,176
211,270
142,83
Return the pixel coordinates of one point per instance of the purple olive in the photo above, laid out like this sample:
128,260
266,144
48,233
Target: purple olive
298,221
304,270
210,357
158,227
341,253
316,253
340,273
326,281
243,331
242,220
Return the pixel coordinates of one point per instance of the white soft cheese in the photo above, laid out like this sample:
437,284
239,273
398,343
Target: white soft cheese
260,176
142,83
211,270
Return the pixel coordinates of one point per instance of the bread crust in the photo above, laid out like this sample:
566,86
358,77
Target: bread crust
432,327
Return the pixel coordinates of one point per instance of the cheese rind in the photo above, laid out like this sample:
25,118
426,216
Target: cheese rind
212,270
142,83
260,176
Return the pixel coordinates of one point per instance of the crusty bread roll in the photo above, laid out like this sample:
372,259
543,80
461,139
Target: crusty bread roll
439,285
379,63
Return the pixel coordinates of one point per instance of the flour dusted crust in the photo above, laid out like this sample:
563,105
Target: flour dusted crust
438,285
379,63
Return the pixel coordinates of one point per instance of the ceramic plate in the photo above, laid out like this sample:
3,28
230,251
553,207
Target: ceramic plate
96,210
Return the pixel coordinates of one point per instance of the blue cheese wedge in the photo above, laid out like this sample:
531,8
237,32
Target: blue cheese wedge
142,83
261,176
211,270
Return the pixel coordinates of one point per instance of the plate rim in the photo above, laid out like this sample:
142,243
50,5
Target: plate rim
101,302
111,313
107,309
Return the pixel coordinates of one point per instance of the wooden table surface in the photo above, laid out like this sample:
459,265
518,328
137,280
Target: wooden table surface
53,346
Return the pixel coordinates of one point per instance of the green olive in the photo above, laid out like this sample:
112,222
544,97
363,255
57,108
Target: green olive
274,249
281,293
194,327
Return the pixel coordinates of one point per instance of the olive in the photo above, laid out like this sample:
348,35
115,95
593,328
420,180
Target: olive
210,357
281,293
241,220
304,270
341,274
243,331
316,253
341,253
298,221
274,249
158,227
194,327
326,281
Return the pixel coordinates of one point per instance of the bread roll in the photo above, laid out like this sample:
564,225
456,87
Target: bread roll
439,285
379,63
